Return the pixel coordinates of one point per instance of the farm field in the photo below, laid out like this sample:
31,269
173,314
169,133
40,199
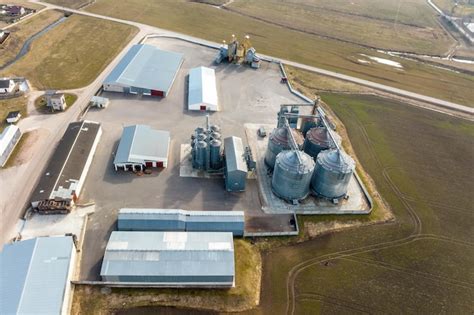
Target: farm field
270,39
74,4
24,30
419,263
408,26
82,46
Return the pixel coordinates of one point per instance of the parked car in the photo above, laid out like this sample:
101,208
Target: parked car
262,132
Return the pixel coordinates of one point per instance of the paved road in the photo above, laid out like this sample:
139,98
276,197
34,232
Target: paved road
385,88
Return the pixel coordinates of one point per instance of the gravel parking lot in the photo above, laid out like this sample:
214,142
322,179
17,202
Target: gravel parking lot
245,95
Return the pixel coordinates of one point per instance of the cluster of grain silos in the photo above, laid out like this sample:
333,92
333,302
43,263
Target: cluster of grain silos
318,165
206,148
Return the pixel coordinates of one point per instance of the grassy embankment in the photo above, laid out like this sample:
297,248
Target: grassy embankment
244,296
186,17
9,105
24,30
421,163
41,104
82,46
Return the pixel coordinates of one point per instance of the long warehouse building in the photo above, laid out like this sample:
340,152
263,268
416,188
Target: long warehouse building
169,259
202,89
61,182
181,220
144,70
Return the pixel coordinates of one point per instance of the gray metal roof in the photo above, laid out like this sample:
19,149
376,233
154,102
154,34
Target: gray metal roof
234,154
178,214
169,254
202,86
140,143
34,275
148,67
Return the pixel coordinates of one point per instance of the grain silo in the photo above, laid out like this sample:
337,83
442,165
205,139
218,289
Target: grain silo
215,154
200,158
307,123
333,172
292,175
317,140
278,141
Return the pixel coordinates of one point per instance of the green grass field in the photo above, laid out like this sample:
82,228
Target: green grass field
22,31
394,25
244,296
421,163
72,54
186,17
41,104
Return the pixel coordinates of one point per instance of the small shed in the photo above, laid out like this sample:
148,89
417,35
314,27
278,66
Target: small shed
13,117
236,169
8,140
99,102
181,220
169,259
142,147
202,89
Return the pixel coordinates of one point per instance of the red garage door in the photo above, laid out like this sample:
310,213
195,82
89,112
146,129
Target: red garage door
157,93
159,164
149,164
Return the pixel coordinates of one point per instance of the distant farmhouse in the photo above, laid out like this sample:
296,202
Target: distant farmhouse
7,86
12,10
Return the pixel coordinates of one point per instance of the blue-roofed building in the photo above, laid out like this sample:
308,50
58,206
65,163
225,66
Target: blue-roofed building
181,220
35,276
144,70
142,147
169,259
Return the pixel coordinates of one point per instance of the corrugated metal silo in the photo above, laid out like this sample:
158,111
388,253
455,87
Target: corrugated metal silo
333,172
317,140
215,135
277,142
292,177
308,123
215,156
200,159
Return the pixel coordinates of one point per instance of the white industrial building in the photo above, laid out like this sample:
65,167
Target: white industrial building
169,259
142,147
144,70
202,89
8,140
35,276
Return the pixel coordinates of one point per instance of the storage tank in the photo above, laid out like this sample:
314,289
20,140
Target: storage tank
200,156
333,172
307,123
277,142
215,128
317,140
291,178
215,154
215,135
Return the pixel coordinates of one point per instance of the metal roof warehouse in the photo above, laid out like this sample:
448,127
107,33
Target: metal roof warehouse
141,146
181,220
202,90
35,276
144,70
169,259
66,171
